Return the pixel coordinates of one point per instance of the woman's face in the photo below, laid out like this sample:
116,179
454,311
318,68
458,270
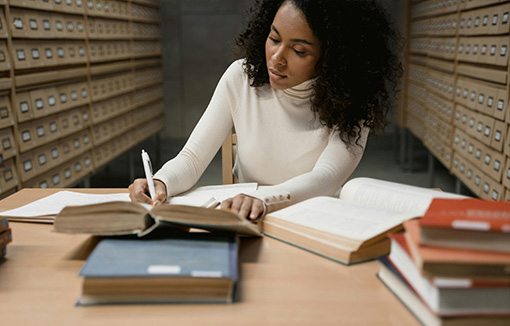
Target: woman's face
292,50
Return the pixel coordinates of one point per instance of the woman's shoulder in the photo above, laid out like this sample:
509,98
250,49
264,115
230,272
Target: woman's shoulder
236,70
235,78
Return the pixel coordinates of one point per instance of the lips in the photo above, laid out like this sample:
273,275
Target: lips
275,74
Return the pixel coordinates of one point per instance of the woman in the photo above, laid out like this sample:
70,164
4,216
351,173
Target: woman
311,84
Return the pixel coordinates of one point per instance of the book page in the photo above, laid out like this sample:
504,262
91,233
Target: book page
207,196
348,219
53,204
391,195
199,201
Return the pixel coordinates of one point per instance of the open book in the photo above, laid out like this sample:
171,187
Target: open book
354,227
124,218
45,209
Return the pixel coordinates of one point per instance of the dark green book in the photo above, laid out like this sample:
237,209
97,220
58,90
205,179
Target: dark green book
196,268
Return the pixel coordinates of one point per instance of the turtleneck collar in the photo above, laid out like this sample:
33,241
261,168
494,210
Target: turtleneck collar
301,91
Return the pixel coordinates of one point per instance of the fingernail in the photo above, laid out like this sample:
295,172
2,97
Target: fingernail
156,203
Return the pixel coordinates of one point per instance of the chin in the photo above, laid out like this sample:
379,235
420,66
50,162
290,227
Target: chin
277,86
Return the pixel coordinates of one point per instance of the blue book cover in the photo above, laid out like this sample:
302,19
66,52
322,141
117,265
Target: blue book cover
196,261
4,225
200,255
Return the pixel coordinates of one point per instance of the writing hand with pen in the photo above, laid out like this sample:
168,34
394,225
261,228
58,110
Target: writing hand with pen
141,188
154,192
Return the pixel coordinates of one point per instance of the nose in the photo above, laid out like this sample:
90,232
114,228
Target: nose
279,57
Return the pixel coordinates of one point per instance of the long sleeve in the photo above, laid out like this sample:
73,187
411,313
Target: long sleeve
182,172
281,144
333,167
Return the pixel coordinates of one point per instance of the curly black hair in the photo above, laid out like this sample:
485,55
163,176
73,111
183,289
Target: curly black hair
359,68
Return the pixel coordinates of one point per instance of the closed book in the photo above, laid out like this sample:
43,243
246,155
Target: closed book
5,237
467,223
449,296
197,268
452,262
394,282
4,224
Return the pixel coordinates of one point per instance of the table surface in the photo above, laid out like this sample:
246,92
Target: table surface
279,285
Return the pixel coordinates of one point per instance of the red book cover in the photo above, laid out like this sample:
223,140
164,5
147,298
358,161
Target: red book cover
455,262
400,240
468,214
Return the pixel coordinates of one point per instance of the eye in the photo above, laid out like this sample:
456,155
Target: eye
274,40
299,52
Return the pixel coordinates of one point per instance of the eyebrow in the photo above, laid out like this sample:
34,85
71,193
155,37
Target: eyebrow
294,39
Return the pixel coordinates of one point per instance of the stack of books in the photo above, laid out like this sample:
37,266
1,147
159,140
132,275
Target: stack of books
5,237
191,268
163,254
452,266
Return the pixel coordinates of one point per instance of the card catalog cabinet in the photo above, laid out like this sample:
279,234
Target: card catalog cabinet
80,83
457,91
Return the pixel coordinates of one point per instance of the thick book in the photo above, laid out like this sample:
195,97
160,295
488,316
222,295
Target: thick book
449,296
4,224
124,218
198,268
354,227
45,209
467,223
419,309
452,262
5,237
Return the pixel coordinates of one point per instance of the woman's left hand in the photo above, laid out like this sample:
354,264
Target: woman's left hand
247,207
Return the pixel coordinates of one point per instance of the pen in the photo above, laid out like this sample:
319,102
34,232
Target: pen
211,203
147,166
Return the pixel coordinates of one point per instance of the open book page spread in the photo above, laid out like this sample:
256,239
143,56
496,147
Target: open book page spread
53,204
348,219
390,195
206,196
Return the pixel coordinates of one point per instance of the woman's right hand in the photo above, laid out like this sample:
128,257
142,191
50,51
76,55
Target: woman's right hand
139,191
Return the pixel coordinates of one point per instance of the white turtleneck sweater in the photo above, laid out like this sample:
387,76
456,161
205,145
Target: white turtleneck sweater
281,145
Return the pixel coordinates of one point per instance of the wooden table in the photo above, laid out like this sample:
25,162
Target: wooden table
280,285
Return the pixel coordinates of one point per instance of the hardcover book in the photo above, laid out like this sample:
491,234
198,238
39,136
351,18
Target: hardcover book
354,227
4,224
452,262
412,302
124,218
44,210
200,267
449,296
5,237
467,223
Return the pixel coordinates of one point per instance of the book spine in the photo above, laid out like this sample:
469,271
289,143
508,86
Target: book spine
5,238
4,225
466,224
